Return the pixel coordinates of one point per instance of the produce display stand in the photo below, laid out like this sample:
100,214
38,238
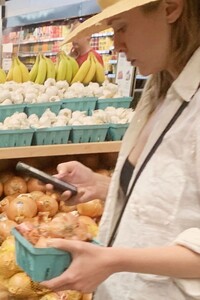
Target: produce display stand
57,150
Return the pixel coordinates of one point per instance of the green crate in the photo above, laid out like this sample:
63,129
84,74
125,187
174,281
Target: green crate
114,102
116,132
82,104
40,263
88,133
16,138
39,108
9,110
51,136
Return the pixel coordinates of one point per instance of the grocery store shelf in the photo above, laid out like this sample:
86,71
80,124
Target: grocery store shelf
18,13
57,150
40,41
35,54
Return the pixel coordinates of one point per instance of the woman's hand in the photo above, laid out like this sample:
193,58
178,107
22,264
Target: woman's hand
89,267
90,185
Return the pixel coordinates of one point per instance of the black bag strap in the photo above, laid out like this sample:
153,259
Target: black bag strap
150,154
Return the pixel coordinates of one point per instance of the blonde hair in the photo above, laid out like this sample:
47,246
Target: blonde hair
185,39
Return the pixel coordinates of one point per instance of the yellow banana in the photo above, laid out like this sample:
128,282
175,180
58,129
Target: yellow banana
100,72
91,73
34,71
69,71
24,70
62,68
17,73
75,66
57,64
2,76
51,71
82,72
9,76
42,71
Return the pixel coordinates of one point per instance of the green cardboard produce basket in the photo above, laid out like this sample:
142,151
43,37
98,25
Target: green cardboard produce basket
9,110
82,104
114,102
116,131
39,108
51,136
39,263
88,133
16,138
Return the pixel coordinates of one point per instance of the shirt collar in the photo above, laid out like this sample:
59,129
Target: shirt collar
188,81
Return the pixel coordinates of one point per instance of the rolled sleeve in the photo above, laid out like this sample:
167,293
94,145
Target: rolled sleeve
190,239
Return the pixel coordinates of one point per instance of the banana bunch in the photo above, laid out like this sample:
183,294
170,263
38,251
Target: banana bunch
18,71
42,69
66,67
2,76
90,70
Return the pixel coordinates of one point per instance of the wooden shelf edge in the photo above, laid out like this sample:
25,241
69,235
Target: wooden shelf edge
57,150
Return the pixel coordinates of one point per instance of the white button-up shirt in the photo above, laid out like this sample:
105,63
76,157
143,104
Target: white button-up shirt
164,207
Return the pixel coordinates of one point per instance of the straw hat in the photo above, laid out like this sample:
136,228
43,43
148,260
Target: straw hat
98,22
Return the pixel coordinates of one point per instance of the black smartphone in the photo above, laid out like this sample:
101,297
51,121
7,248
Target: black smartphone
46,178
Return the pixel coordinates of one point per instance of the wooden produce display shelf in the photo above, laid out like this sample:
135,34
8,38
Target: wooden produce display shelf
57,150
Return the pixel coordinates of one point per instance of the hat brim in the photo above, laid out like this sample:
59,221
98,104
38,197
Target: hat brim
99,22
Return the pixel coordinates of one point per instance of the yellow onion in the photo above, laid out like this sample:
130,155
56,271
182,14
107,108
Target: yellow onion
36,194
65,295
4,176
87,297
47,204
8,266
34,184
20,285
21,207
92,208
54,194
62,226
6,201
73,295
50,296
8,244
103,172
5,227
66,208
4,294
15,185
92,227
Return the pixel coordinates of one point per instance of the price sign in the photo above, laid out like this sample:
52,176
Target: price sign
125,75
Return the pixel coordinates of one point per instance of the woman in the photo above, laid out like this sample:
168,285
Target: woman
155,254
